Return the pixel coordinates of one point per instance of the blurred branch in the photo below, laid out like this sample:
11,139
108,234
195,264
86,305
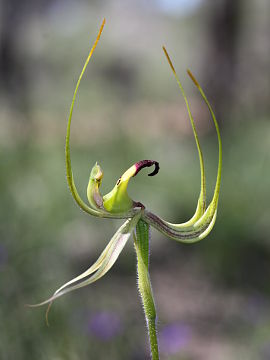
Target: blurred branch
223,32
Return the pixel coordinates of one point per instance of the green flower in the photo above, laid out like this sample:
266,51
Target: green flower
118,205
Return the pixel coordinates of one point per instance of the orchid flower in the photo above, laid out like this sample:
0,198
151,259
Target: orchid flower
118,205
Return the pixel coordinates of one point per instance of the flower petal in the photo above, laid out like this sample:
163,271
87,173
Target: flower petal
203,220
70,179
201,205
102,265
118,200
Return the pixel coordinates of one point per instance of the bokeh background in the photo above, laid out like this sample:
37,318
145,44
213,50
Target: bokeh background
213,298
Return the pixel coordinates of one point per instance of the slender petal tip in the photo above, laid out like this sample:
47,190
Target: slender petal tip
193,78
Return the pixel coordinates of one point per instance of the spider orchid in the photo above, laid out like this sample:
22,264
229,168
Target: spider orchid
118,205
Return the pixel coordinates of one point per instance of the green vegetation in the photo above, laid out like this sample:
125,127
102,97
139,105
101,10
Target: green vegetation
45,240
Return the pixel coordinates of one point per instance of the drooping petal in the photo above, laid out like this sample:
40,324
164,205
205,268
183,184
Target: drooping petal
102,265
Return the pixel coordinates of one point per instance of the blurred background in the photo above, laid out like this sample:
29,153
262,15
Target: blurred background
213,297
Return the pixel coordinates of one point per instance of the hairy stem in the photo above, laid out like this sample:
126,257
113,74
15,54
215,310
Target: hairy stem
141,243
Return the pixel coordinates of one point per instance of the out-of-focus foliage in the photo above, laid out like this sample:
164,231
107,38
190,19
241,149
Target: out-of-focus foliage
128,109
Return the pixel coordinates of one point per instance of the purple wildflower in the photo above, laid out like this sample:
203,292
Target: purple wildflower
105,325
174,338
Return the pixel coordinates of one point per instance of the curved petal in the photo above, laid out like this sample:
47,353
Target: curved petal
118,200
189,233
218,180
70,179
93,194
102,265
201,205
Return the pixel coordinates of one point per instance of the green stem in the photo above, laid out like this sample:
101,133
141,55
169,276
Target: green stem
141,243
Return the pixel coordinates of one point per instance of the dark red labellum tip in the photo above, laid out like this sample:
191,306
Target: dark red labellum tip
147,163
